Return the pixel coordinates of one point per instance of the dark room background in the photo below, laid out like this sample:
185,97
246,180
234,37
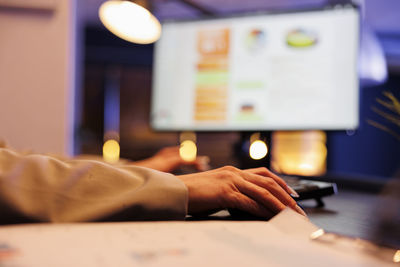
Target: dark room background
368,152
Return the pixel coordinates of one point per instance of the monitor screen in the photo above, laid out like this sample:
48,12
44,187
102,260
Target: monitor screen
286,71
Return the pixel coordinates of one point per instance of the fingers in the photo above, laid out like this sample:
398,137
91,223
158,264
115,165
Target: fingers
202,163
244,203
267,190
272,186
173,151
276,190
262,196
229,187
169,151
267,173
272,198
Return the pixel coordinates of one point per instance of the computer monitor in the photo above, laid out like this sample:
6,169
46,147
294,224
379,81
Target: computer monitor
263,72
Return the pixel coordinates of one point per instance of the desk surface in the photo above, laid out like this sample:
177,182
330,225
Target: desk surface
216,243
349,213
273,243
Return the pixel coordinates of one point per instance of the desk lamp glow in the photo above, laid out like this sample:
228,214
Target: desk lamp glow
130,21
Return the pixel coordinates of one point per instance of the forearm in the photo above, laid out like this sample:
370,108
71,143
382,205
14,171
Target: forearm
46,189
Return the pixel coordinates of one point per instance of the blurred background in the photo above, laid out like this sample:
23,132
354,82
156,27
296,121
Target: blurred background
57,59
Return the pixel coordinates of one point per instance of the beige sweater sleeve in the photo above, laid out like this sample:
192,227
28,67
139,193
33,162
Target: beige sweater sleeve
42,188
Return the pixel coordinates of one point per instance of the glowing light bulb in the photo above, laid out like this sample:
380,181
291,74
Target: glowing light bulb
188,150
258,150
130,21
111,151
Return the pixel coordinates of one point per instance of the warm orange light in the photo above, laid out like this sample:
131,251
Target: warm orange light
306,166
396,257
299,153
188,150
111,151
130,21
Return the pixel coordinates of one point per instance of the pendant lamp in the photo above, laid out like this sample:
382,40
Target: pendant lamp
130,21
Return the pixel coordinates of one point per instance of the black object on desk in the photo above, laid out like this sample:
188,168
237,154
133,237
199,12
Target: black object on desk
311,189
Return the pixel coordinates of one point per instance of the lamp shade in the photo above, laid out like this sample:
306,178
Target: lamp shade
130,21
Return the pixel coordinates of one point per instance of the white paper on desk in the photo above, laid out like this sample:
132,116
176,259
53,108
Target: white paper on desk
281,242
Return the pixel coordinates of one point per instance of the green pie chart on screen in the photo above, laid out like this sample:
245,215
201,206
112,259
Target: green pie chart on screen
301,38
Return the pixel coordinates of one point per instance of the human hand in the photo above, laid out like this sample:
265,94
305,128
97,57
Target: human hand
256,191
168,160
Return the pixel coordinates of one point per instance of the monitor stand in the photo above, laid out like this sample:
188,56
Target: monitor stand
241,150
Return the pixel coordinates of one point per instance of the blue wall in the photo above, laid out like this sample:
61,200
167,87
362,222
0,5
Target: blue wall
369,151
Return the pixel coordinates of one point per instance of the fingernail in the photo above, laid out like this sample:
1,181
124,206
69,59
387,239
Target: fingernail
300,210
292,192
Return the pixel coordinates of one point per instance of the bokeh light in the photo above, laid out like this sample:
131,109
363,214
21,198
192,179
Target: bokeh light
111,151
258,150
396,257
188,150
